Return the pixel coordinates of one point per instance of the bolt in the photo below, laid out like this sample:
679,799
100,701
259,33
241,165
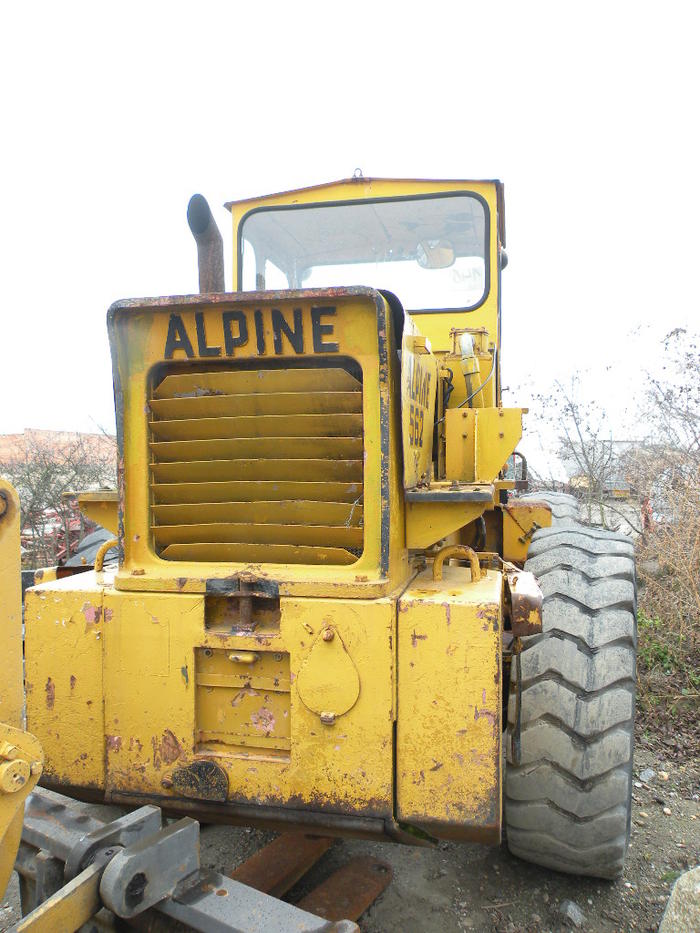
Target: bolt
135,890
328,634
13,776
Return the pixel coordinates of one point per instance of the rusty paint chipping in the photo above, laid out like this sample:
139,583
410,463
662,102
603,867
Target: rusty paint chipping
50,689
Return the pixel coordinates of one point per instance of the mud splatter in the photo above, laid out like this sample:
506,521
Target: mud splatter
50,689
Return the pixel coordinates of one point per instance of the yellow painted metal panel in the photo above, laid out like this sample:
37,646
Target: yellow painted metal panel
243,704
448,756
11,693
101,507
279,512
498,433
153,718
63,649
429,522
479,442
295,448
264,491
314,469
346,350
327,682
418,394
189,385
260,426
259,553
520,521
460,444
230,532
275,403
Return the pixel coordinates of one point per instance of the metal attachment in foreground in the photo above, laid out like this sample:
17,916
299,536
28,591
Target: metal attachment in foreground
525,601
461,552
132,866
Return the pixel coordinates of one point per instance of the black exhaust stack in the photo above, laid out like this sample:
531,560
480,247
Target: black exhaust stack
210,245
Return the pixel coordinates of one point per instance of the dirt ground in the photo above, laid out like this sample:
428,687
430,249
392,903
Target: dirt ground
452,888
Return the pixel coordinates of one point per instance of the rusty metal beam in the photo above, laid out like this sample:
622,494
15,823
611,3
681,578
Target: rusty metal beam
278,866
350,890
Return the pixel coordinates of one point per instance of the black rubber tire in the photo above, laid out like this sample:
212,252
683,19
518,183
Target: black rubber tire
564,507
569,740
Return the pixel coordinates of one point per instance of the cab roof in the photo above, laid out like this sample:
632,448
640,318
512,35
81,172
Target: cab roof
357,181
359,186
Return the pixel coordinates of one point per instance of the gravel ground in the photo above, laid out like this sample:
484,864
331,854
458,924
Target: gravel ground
454,888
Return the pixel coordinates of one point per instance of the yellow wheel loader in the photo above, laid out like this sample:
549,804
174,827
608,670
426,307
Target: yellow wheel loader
331,609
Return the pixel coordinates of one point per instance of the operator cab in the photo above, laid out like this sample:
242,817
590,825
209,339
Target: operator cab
430,250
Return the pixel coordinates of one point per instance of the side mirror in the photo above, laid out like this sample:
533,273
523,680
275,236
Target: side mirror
435,254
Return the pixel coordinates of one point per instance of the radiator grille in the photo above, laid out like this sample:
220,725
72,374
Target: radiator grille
260,465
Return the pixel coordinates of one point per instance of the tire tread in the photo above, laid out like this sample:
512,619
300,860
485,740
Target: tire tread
568,796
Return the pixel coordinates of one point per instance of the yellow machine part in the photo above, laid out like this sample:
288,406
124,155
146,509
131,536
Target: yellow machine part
448,756
435,326
20,768
299,713
20,753
428,522
520,521
418,383
263,477
101,507
11,692
479,441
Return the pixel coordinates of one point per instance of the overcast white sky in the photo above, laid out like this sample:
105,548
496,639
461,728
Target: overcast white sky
114,114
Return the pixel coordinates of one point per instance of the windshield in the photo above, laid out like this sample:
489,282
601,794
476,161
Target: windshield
430,251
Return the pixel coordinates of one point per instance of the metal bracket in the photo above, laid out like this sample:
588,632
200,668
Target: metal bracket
525,601
158,871
218,904
124,831
148,871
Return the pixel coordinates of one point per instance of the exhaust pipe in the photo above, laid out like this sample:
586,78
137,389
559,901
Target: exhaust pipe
210,246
